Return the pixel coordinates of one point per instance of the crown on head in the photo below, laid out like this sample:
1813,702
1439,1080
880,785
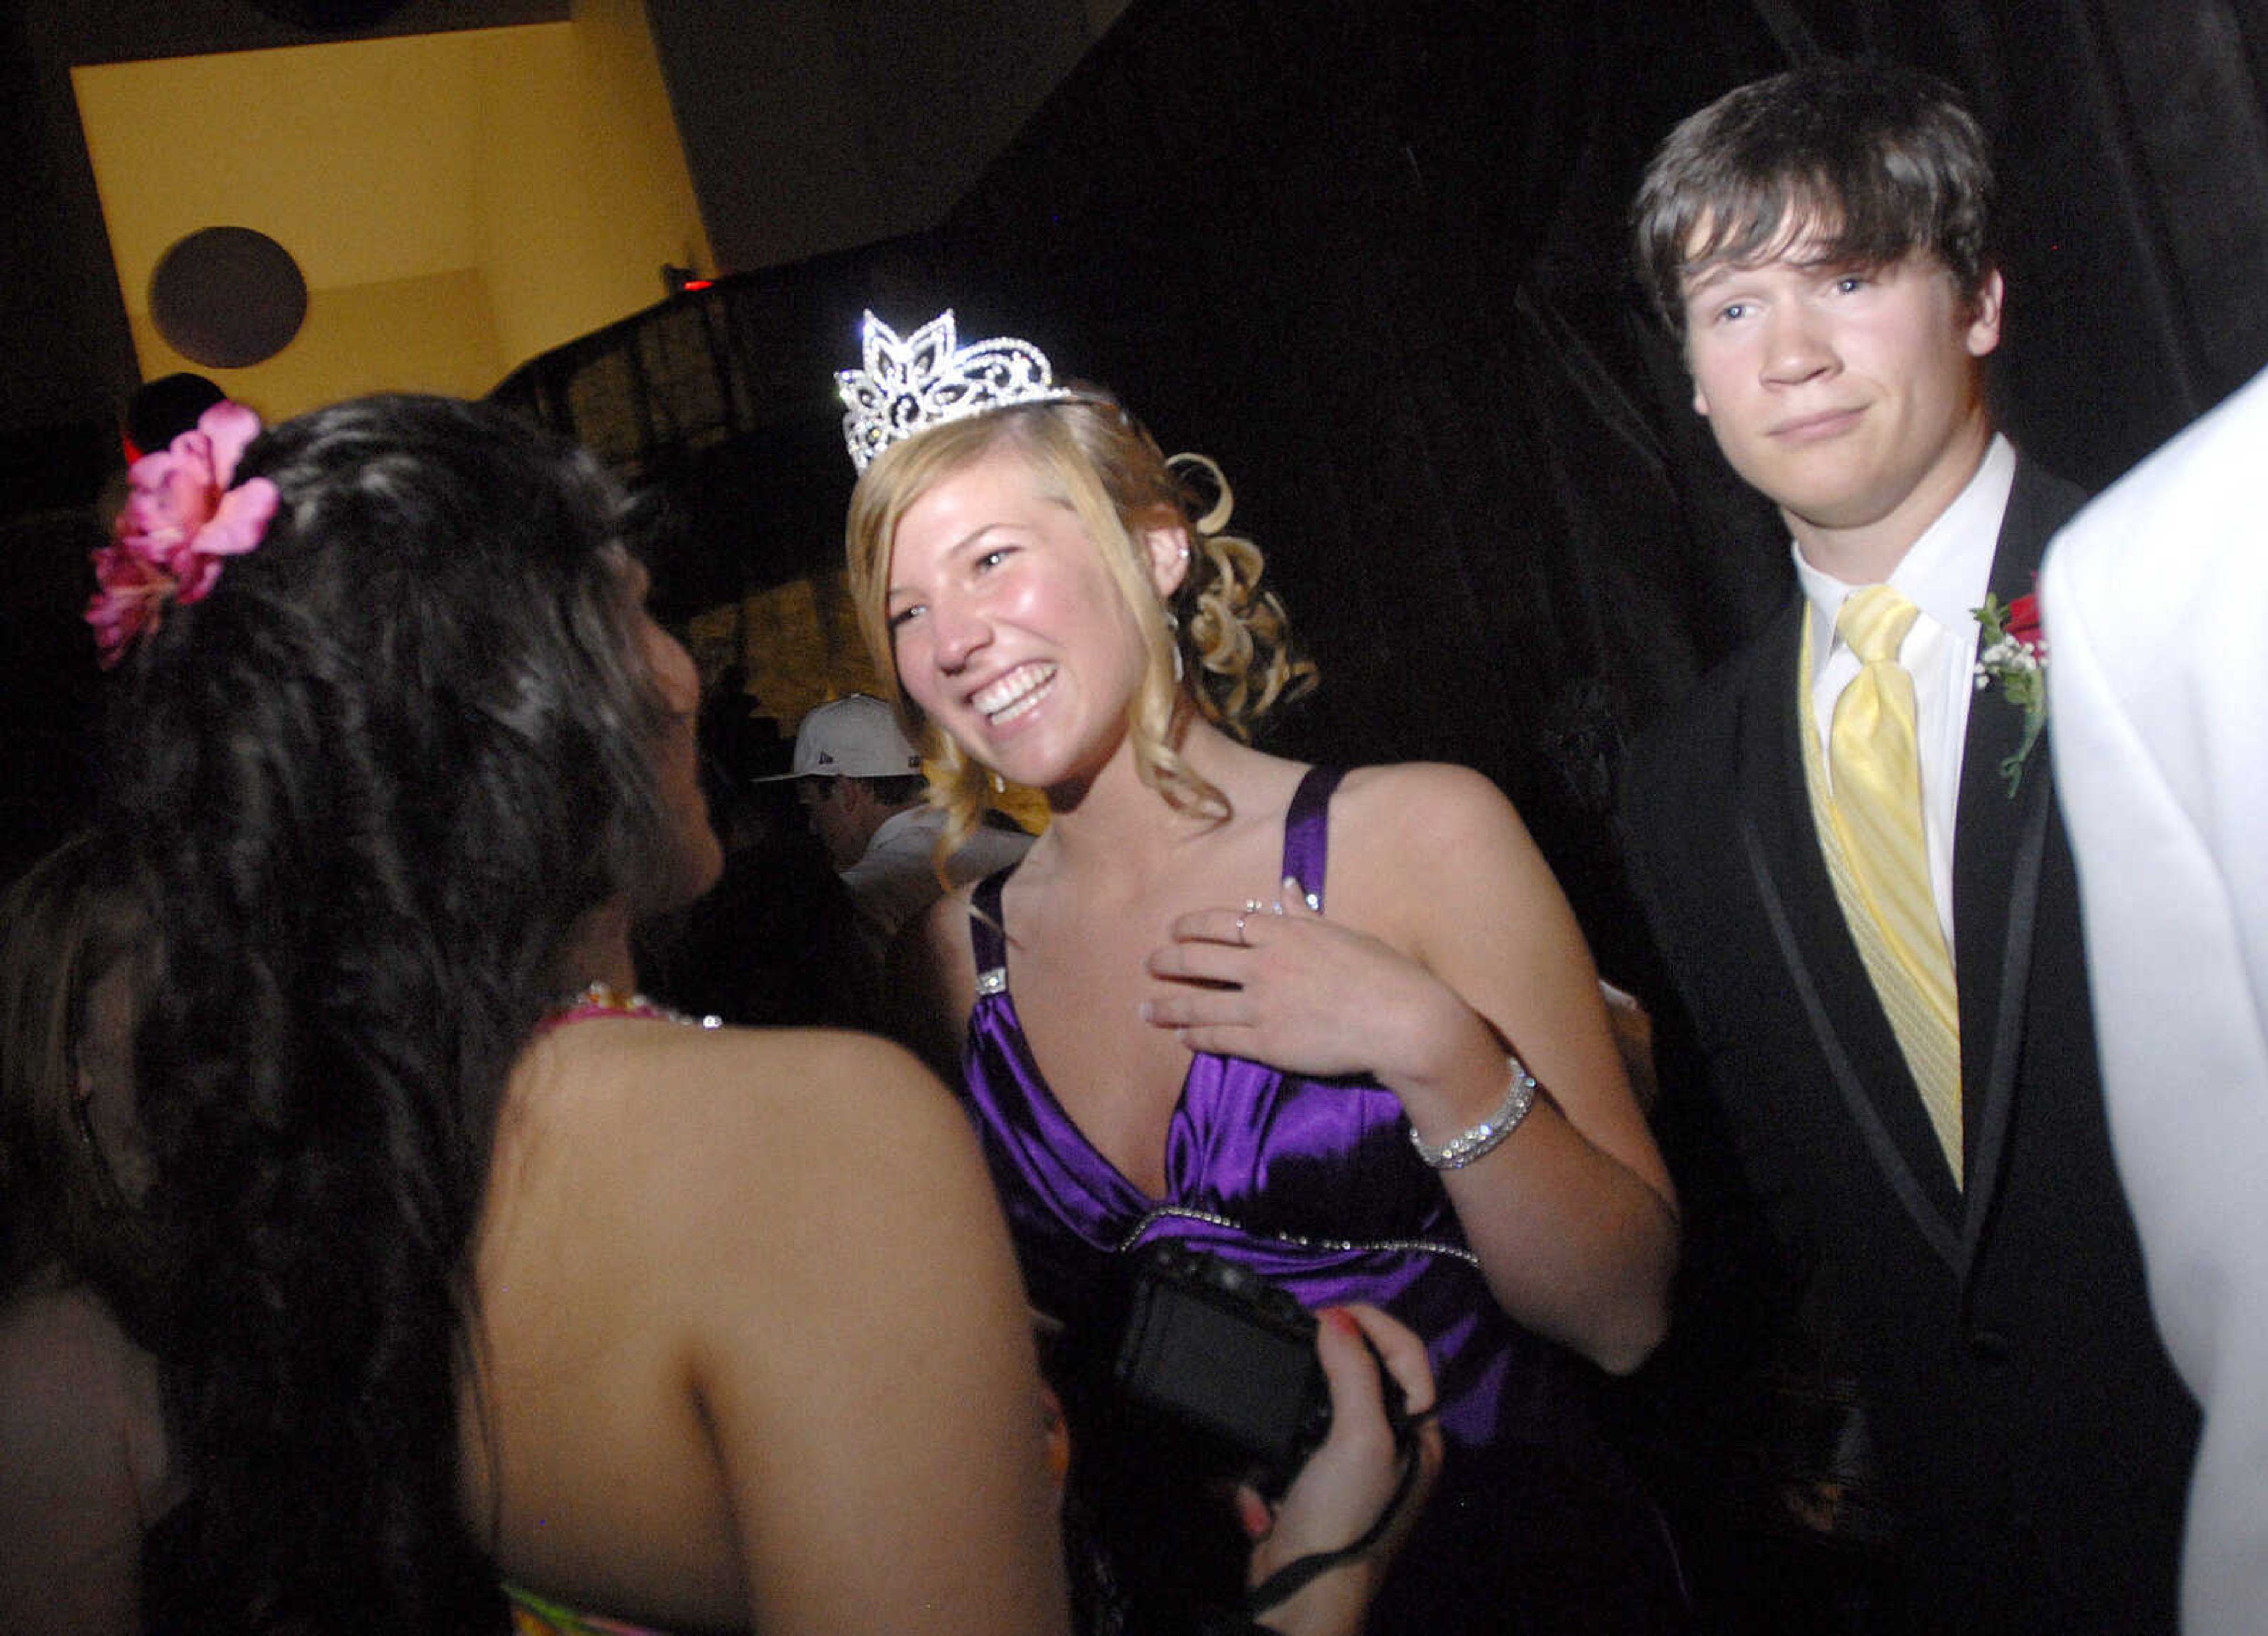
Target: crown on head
925,381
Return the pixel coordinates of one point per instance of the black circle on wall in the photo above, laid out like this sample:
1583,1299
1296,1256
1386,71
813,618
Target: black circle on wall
226,297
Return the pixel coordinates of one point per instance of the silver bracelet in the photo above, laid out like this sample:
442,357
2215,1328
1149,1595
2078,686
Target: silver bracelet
1467,1145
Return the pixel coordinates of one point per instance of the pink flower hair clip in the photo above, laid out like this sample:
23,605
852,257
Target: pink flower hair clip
180,521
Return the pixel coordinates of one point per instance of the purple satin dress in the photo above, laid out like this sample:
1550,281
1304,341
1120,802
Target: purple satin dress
1313,1185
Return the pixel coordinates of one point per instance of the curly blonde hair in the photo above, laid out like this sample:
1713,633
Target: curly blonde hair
1219,646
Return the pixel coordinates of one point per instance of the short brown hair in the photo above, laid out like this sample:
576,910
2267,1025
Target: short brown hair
1883,159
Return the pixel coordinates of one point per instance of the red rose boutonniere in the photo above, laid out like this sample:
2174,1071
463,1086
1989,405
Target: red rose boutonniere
2015,655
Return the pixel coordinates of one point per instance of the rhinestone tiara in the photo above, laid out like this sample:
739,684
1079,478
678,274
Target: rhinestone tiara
925,381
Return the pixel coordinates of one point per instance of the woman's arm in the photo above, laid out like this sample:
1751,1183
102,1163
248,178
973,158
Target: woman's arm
863,1361
1466,947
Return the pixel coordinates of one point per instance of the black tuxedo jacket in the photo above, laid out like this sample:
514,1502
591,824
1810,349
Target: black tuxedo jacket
2034,1441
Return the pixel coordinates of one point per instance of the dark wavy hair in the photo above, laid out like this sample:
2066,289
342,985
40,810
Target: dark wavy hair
1882,159
376,778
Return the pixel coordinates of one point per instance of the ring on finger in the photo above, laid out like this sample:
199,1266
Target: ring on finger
1252,906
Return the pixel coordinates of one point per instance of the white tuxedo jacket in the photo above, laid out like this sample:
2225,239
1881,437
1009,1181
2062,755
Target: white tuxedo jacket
2156,599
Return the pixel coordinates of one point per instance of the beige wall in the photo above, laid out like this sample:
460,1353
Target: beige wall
457,202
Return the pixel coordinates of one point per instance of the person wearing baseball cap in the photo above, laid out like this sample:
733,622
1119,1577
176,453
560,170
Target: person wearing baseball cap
860,781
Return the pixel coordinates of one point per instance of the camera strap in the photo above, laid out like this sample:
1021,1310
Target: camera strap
1300,1571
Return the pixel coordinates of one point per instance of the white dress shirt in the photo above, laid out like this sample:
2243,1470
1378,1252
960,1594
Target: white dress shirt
1945,574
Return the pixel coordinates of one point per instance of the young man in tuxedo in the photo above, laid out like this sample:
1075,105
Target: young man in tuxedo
1851,859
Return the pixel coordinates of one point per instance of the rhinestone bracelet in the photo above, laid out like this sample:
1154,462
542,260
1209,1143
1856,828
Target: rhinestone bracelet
1462,1148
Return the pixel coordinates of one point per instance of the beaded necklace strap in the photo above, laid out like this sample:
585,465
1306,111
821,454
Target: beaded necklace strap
601,999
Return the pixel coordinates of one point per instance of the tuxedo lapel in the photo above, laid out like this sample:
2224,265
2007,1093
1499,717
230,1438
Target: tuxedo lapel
1998,845
1781,841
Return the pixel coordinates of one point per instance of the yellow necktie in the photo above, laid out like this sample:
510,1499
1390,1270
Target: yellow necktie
1874,766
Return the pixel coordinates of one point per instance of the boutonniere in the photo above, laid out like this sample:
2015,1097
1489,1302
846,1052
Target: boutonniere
2014,653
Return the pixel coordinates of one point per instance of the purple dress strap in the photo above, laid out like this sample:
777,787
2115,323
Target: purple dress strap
1306,831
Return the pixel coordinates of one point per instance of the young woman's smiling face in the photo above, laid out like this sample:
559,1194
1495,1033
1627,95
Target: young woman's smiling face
1007,627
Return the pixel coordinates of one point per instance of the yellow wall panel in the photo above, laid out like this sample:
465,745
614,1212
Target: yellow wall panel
457,202
357,158
431,334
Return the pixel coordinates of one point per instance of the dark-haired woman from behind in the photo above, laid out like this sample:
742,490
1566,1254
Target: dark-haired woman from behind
496,1274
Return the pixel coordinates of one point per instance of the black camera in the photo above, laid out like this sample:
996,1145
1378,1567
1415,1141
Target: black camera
1218,1351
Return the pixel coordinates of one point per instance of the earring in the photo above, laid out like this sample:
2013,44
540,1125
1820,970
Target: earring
999,785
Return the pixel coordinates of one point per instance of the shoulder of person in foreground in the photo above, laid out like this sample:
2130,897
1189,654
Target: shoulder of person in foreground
82,1444
856,1332
1414,808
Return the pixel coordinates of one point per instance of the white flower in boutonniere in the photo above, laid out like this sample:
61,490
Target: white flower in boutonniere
2015,655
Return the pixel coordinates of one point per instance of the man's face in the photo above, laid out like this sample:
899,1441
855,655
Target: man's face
836,808
1850,396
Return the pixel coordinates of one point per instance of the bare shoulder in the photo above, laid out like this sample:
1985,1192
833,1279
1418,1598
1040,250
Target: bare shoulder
1434,858
1423,817
939,943
82,1442
1424,790
775,1261
810,1170
61,1344
815,1084
841,1300
822,1120
704,1100
698,1172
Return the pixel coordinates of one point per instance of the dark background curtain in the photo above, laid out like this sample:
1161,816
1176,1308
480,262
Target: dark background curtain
1369,254
1371,257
